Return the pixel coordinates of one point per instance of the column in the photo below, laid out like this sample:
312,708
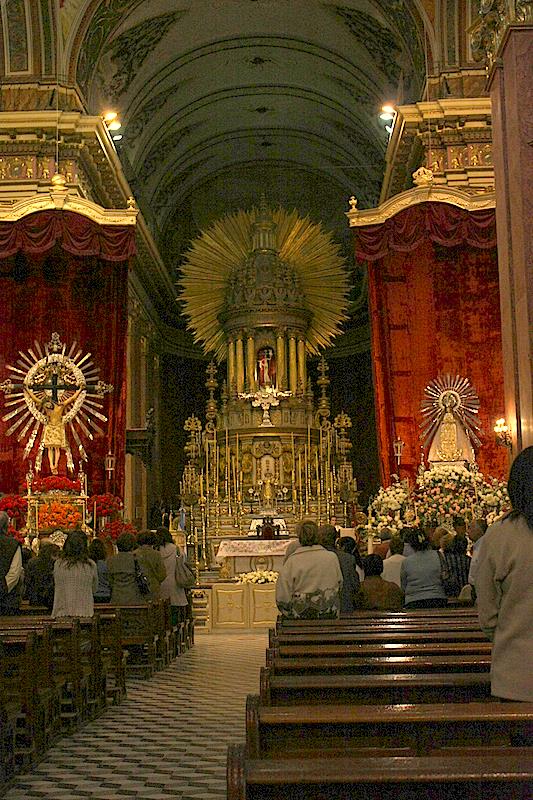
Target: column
239,353
510,82
302,372
293,374
250,362
231,367
281,376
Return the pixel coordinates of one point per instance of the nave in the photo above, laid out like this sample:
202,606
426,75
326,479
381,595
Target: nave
167,739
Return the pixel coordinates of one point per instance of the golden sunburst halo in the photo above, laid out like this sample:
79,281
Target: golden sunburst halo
301,243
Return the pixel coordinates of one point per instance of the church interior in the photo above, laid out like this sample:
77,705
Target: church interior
260,261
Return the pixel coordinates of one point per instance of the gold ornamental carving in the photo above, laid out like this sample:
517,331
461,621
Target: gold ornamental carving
494,19
417,195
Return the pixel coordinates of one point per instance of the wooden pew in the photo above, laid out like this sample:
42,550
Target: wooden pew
113,655
360,663
272,731
20,694
140,636
502,775
381,637
373,689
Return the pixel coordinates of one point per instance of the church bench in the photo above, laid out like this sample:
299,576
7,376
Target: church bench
113,654
383,637
373,689
20,694
388,777
396,648
416,615
363,664
140,636
339,633
307,729
78,668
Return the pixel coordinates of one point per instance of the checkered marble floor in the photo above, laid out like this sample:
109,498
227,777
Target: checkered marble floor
168,739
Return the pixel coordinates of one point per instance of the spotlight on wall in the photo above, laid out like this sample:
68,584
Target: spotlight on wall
117,137
109,116
388,112
115,125
503,434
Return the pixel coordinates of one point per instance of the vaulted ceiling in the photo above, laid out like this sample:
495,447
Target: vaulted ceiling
224,99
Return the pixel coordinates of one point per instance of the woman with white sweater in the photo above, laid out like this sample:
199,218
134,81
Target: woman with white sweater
310,580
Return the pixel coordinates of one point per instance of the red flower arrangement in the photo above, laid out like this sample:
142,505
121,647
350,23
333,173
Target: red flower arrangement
56,483
106,505
18,535
15,505
112,530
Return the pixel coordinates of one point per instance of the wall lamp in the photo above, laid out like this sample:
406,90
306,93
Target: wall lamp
503,434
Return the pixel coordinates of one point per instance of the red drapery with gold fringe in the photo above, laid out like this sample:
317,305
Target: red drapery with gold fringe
60,271
434,306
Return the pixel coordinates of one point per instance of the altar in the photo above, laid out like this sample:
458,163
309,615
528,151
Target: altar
247,555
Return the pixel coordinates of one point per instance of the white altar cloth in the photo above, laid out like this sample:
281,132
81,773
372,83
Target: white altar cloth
257,547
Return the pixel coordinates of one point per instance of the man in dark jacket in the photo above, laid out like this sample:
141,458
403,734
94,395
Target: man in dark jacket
350,579
10,569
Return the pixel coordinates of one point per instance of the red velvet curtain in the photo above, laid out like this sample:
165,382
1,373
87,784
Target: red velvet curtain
434,305
61,272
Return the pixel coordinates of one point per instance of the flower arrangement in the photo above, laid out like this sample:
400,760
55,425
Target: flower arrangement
112,530
258,576
15,505
64,516
56,483
20,536
105,504
439,494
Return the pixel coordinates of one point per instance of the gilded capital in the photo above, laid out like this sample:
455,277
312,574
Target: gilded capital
494,18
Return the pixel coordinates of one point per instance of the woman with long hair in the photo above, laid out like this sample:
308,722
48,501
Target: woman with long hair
504,587
420,574
169,589
75,579
97,553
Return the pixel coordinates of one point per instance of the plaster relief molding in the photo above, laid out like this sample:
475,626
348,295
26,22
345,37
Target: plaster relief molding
422,194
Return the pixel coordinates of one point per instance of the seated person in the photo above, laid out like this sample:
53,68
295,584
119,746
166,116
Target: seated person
375,593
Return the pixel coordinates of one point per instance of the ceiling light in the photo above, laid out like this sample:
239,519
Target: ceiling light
115,125
117,137
388,128
109,116
386,116
388,108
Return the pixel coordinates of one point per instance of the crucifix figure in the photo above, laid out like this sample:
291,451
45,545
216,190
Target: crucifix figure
54,434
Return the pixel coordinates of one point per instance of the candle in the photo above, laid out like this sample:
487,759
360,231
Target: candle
201,483
94,516
300,473
370,544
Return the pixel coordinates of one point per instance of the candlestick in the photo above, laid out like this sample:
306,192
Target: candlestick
300,474
94,516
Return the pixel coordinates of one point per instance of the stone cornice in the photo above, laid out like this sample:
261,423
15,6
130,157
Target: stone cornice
430,125
412,197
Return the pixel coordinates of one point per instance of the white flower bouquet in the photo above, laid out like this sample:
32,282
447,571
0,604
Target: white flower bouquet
258,576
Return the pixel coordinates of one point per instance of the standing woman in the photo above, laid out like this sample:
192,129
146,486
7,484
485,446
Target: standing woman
504,587
75,579
420,574
169,590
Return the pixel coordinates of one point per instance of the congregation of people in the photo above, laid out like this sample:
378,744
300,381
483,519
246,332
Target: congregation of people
417,569
68,581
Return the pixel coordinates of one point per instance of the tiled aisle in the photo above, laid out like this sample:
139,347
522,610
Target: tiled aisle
168,739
